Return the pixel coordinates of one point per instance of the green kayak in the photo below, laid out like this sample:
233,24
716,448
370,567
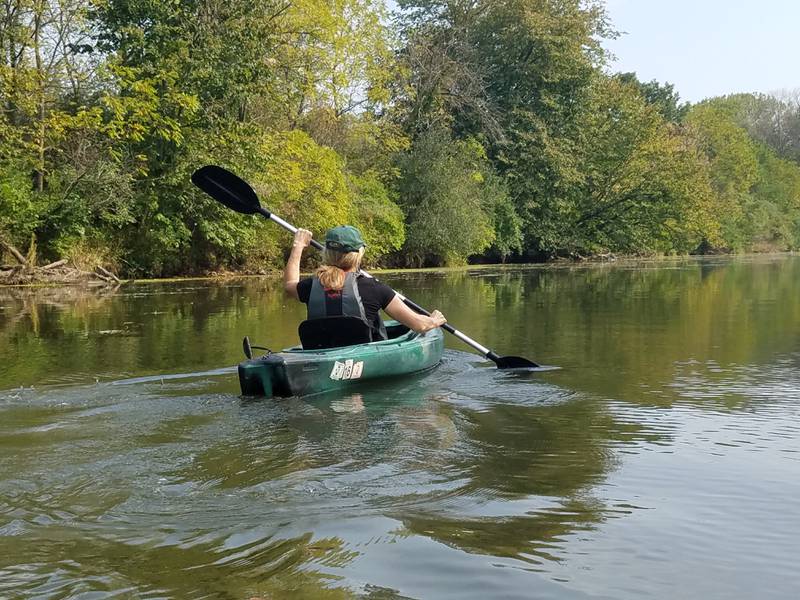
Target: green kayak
298,372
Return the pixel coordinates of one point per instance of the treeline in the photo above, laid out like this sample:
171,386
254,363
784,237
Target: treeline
447,131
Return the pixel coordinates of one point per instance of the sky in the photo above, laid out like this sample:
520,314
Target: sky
709,47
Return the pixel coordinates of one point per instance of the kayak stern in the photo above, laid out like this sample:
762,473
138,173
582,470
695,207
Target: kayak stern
265,376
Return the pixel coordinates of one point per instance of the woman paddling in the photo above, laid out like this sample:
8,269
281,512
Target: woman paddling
339,288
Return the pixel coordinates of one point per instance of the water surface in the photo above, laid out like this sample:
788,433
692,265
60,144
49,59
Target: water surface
662,460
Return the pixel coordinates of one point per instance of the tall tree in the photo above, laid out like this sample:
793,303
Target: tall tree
662,96
645,186
515,75
449,206
771,119
733,166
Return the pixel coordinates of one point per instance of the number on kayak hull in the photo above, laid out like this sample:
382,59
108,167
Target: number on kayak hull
347,370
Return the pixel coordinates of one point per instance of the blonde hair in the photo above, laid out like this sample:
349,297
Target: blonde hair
335,264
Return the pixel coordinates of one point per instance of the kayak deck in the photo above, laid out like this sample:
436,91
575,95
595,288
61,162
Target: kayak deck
298,372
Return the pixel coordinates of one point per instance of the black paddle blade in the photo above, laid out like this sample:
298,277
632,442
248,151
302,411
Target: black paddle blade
514,362
227,188
248,351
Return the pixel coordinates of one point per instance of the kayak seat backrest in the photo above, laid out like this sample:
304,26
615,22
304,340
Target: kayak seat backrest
333,332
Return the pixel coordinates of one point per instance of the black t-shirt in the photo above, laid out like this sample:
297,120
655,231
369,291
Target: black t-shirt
375,296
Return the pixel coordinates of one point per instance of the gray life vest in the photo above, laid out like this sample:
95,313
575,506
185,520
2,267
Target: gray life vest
345,302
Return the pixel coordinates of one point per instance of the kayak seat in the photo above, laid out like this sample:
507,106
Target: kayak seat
333,332
395,330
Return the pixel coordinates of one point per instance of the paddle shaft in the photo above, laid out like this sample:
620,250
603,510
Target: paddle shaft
412,305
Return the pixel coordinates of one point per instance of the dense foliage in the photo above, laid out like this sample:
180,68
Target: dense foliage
451,130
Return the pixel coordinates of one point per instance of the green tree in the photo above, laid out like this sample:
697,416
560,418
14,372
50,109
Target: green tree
442,82
771,120
226,83
380,219
515,75
774,223
61,176
757,190
448,205
308,184
662,96
506,222
733,166
646,187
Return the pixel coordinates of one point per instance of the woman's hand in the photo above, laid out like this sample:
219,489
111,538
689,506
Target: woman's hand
438,318
291,274
398,310
302,238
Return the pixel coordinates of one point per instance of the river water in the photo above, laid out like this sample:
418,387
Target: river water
662,460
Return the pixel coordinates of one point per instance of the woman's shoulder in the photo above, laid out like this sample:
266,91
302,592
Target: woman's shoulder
372,286
369,281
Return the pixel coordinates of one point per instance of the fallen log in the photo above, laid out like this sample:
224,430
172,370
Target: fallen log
102,277
108,274
14,252
55,265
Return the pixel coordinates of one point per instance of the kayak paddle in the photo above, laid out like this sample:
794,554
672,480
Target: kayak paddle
235,193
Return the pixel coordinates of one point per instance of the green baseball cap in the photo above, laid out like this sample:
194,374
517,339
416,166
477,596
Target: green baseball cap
344,238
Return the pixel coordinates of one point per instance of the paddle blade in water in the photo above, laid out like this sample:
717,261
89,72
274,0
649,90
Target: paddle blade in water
515,362
227,188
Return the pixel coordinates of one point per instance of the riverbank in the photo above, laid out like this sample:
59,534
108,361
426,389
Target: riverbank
71,277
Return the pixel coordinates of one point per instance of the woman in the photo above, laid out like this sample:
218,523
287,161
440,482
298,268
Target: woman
339,288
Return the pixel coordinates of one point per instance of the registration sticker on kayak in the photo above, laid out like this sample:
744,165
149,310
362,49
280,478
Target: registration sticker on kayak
347,370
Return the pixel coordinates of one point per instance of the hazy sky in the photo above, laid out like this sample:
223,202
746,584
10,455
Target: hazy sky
709,47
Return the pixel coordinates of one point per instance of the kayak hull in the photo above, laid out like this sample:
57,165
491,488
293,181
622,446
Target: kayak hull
298,372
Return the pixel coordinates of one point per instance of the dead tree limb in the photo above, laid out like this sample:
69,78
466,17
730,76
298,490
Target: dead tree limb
55,265
14,252
108,274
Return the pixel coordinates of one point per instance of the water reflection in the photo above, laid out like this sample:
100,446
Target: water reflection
636,323
667,442
234,566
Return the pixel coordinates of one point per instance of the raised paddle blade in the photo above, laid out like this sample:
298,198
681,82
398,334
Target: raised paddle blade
514,362
248,351
227,188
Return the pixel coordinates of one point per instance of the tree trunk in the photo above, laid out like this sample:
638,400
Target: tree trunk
38,178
